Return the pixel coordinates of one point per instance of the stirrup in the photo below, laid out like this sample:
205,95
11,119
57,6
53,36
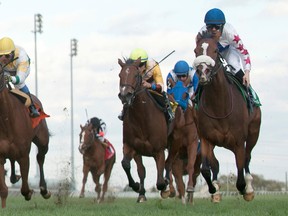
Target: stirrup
33,111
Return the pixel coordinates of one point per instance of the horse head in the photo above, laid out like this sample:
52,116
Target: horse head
130,80
206,52
86,137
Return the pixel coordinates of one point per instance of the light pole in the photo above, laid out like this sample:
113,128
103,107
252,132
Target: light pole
37,28
73,52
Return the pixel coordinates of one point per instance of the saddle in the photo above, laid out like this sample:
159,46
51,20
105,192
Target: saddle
24,98
160,101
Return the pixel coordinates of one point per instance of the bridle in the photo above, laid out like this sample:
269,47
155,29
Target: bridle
214,68
137,87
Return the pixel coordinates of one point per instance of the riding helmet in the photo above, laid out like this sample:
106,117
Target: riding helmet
137,53
214,16
6,46
181,68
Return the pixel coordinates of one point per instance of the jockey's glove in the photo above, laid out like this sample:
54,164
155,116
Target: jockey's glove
7,78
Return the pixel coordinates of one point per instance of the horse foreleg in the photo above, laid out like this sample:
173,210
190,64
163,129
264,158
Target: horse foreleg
192,154
178,171
142,175
42,150
3,186
240,161
13,177
24,169
160,164
126,165
84,179
107,174
96,179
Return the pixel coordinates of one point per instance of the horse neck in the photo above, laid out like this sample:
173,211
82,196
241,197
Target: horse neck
141,109
218,92
96,147
7,114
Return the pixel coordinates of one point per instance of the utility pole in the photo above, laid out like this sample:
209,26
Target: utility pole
73,52
37,29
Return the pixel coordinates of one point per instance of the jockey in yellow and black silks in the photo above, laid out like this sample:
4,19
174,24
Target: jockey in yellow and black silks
151,77
16,67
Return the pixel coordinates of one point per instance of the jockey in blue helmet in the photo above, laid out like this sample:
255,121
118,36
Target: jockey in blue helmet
182,72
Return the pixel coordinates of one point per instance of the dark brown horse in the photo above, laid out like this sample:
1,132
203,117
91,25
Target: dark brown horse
223,119
16,135
183,144
144,128
95,159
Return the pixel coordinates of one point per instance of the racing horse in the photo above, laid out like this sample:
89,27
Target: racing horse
144,128
223,119
183,144
16,135
98,158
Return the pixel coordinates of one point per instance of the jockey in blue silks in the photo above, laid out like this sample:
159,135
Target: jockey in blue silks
182,79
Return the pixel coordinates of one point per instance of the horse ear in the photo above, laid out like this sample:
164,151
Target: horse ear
81,126
120,62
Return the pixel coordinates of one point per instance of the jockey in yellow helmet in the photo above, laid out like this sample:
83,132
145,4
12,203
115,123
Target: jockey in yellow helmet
16,67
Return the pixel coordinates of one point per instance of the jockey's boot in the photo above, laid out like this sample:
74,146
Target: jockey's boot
250,99
121,115
123,111
170,112
33,111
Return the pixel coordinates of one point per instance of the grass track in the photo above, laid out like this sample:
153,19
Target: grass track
261,205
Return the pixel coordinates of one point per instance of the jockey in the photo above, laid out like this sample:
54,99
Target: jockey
100,126
183,72
230,44
16,66
151,77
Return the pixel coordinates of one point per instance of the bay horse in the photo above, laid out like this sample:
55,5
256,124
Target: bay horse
16,135
144,128
183,144
223,119
98,158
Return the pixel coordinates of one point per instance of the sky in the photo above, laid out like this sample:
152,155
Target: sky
108,30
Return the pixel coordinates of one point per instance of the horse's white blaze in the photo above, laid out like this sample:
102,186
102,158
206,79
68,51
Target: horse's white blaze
82,140
205,47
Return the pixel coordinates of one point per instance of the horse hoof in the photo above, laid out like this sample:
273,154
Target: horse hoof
15,179
165,194
216,198
172,194
248,196
141,199
183,200
47,195
190,197
29,195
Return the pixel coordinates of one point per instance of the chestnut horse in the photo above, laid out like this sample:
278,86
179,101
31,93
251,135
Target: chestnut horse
223,119
183,144
16,135
144,128
94,160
